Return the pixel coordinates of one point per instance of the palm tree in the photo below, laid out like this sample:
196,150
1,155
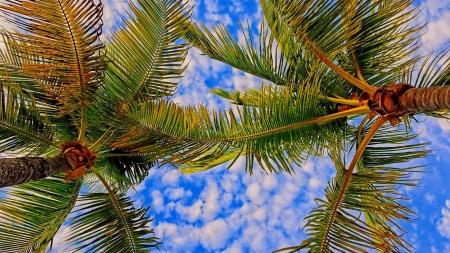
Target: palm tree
65,100
316,56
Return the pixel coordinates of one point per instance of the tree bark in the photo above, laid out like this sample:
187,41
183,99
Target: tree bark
15,171
426,99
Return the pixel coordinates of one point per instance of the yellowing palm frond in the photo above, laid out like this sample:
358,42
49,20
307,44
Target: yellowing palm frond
60,46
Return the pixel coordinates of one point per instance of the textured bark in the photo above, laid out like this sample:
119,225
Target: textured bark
426,99
15,171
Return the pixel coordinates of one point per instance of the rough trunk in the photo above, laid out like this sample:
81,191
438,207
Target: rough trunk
15,171
426,99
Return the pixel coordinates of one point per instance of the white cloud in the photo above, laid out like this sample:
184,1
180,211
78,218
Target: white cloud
443,225
178,236
215,234
429,198
255,236
315,183
177,193
256,195
211,196
437,13
270,182
171,177
190,213
236,247
157,201
444,124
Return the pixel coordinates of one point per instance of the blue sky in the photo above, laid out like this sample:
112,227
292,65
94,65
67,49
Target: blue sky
230,211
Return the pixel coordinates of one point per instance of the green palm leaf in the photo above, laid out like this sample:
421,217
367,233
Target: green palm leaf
319,22
373,191
273,130
385,45
125,169
23,128
31,214
262,60
144,59
103,223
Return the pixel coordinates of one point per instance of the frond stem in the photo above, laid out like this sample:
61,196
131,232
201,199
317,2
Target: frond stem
342,101
100,140
358,69
83,126
372,131
358,83
353,111
113,198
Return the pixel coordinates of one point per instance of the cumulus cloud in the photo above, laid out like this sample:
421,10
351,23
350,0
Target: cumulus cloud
444,124
443,225
157,201
190,213
215,234
171,177
255,194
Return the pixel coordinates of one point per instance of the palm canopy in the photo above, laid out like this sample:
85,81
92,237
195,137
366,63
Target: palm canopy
61,83
325,50
110,98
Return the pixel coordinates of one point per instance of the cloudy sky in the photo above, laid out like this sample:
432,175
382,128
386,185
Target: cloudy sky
230,211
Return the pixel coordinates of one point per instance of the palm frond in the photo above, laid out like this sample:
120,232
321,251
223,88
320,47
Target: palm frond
386,45
210,160
22,126
31,214
144,60
263,60
371,205
59,46
124,169
277,129
434,71
319,22
103,223
11,73
373,41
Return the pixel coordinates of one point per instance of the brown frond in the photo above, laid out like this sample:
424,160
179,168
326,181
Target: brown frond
57,42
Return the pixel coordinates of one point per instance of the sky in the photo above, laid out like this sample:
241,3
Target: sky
230,211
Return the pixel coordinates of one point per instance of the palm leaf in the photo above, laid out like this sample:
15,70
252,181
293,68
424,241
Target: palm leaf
372,191
434,71
31,214
104,223
276,130
23,128
124,169
11,73
385,46
366,39
144,59
60,47
262,60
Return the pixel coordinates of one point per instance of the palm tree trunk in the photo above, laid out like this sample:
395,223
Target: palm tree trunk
426,99
15,171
